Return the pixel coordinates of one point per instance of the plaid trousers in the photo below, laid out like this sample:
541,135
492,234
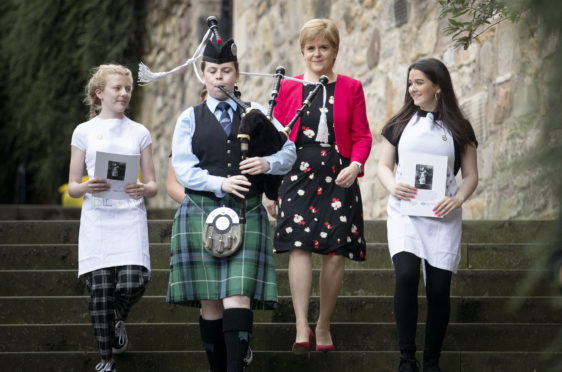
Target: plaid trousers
113,291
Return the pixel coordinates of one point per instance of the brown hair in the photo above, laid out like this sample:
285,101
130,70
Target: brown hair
203,64
320,28
99,80
447,105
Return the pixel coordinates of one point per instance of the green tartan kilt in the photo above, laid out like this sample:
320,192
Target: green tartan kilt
196,275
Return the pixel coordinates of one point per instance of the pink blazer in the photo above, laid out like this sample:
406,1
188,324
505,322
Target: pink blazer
351,126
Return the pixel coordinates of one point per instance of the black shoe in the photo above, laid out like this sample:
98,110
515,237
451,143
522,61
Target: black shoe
120,339
408,365
431,368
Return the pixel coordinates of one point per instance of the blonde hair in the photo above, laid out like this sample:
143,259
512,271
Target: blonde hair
320,28
99,80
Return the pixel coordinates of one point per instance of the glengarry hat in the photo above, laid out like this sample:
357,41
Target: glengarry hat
220,53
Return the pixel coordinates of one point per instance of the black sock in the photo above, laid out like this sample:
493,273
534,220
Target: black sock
212,338
237,328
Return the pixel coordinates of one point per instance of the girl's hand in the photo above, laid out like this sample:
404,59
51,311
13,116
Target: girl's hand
95,185
404,191
347,176
447,205
135,190
236,185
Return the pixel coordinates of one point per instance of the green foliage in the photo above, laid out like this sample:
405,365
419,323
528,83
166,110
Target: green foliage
47,50
468,19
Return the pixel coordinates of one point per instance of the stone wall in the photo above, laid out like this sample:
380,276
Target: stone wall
499,83
172,37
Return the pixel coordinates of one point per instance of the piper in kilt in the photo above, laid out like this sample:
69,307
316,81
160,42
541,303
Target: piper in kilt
206,157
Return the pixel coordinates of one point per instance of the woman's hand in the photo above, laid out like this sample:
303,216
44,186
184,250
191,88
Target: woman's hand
96,185
469,170
135,190
236,185
347,176
447,205
403,191
253,166
271,207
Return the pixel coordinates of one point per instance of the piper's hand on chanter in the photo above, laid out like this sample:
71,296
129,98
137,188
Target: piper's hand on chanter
271,207
236,185
404,191
135,190
447,205
95,185
347,176
253,166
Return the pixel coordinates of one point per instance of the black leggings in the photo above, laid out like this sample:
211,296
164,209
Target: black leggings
438,287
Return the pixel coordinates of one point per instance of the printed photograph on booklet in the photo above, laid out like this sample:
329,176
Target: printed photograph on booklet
428,173
118,170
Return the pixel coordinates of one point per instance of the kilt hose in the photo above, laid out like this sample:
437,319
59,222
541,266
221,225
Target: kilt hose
196,275
113,290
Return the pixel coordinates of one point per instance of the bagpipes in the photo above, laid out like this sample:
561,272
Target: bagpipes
257,134
258,137
307,102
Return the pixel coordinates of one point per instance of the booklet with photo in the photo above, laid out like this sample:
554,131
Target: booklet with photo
118,170
428,173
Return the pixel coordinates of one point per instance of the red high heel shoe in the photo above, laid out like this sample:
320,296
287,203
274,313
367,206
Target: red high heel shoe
303,347
326,348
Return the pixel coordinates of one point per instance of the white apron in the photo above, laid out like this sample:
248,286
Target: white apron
436,240
112,232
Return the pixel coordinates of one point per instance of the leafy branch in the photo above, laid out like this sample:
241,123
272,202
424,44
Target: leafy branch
468,19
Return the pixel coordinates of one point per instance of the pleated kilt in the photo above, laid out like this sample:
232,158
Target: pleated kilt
196,275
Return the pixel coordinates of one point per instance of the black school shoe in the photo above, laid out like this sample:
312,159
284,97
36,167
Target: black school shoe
408,365
431,368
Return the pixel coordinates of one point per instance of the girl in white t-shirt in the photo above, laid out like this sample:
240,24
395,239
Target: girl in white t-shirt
429,122
113,240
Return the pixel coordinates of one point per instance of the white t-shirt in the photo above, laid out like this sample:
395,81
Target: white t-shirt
112,232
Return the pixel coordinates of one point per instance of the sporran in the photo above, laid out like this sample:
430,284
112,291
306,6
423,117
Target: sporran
222,233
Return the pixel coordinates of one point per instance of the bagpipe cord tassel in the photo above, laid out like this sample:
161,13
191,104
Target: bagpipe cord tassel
323,133
146,76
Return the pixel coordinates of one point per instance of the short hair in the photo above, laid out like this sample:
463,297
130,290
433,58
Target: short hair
320,28
98,80
236,66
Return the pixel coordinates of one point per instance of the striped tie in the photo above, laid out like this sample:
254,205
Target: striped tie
225,118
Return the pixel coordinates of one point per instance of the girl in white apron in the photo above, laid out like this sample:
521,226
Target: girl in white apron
113,242
430,122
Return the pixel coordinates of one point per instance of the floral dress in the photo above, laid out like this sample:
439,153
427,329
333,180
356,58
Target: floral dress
315,214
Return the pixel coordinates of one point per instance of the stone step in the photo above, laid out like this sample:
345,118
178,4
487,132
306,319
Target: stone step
151,309
57,212
356,283
277,361
64,231
473,230
474,256
279,336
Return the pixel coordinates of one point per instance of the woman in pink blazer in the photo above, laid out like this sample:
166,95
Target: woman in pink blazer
319,206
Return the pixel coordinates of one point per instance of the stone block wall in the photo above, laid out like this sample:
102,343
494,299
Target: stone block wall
172,37
499,83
